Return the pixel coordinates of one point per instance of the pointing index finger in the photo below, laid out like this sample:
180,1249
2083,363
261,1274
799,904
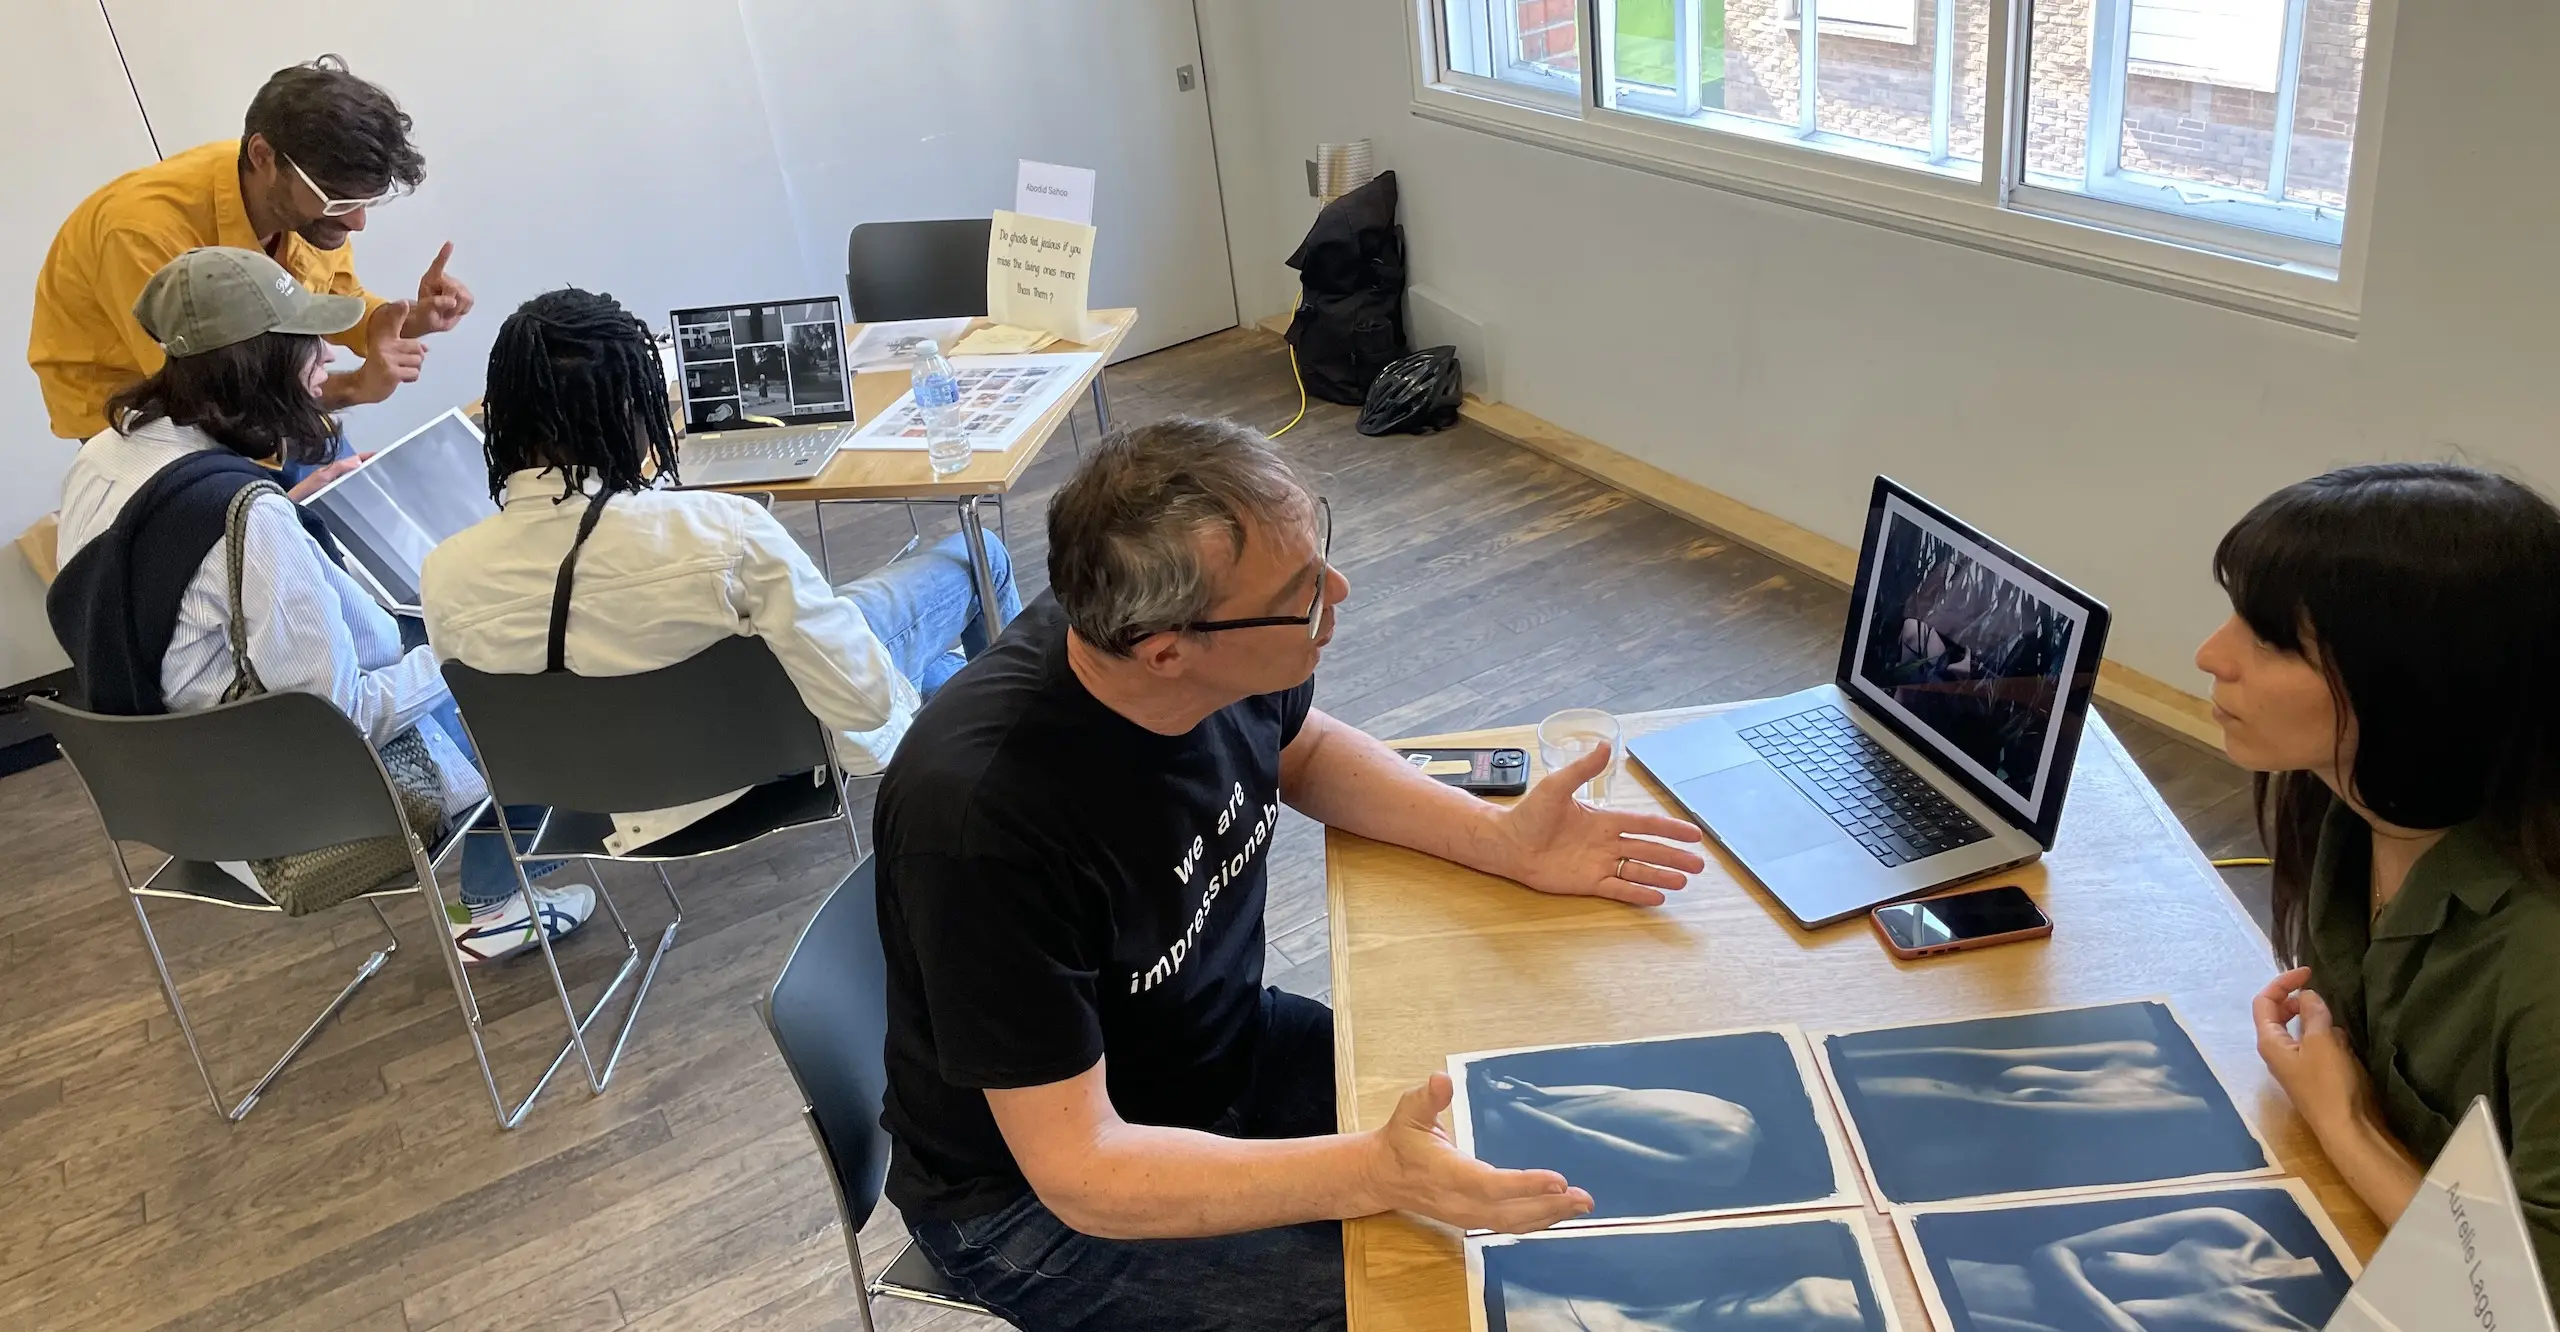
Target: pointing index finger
435,271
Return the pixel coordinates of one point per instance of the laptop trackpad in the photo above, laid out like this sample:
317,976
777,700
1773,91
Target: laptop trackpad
1758,814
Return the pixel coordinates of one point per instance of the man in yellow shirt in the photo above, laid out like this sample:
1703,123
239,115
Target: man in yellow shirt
318,149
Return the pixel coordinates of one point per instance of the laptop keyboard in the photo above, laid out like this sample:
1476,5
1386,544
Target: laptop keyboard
1893,812
748,446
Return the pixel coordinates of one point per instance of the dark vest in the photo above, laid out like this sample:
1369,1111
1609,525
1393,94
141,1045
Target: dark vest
115,605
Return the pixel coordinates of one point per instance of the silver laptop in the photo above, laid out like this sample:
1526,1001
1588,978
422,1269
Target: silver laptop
1940,751
388,513
767,396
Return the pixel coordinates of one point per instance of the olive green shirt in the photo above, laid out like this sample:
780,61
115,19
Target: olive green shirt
2454,993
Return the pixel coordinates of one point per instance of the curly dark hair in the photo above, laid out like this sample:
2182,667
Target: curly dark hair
248,396
575,383
347,133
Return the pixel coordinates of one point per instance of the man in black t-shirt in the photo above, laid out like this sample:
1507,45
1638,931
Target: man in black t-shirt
1099,1116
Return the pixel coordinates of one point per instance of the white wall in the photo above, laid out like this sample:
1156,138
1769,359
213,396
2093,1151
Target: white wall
75,128
1782,357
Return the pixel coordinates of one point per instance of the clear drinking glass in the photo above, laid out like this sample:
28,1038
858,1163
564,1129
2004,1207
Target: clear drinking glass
1568,735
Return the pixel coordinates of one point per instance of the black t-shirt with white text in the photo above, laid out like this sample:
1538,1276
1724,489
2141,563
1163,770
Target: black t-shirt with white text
1058,884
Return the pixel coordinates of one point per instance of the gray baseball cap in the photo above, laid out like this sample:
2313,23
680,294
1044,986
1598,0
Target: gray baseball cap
216,296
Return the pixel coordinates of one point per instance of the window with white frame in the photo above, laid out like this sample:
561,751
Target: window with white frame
2221,127
1875,20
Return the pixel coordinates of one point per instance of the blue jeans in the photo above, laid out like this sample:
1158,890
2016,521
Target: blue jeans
924,608
1034,1272
486,878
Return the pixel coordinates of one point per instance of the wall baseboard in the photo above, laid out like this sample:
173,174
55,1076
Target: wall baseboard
2181,713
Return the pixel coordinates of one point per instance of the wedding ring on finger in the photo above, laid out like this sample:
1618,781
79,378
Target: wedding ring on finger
1621,871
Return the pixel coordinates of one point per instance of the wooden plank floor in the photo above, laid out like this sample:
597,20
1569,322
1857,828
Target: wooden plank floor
371,1192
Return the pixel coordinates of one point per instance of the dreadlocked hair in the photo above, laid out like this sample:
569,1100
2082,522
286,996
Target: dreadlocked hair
575,385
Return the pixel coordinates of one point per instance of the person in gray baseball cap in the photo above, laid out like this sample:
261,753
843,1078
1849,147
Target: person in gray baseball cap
144,602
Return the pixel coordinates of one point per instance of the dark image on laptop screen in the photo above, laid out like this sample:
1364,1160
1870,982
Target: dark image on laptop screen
1963,645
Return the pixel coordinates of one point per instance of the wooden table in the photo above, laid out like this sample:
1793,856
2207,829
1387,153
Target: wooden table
878,475
1430,959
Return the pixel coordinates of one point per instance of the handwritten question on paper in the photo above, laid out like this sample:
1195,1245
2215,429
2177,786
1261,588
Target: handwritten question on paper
1038,265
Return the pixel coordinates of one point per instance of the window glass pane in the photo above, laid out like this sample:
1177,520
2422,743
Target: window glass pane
2224,112
1884,87
1535,42
2324,110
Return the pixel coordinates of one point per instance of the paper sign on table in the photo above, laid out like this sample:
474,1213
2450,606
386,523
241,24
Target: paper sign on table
1044,189
1038,273
2460,1256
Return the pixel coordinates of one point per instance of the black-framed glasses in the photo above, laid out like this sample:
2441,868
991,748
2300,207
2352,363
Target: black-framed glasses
1313,619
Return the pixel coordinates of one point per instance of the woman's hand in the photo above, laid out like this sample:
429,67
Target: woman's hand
2318,1069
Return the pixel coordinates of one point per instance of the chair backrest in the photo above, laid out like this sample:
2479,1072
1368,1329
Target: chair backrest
917,270
724,718
266,776
829,1014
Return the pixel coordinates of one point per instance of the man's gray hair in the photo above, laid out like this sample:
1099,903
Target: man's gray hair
1125,531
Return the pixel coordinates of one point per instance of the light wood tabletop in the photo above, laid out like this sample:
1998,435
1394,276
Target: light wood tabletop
883,474
1430,959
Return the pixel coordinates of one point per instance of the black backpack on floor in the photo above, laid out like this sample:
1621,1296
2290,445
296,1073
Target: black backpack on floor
1350,319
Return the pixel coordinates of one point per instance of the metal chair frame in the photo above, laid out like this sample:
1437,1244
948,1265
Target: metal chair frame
873,1287
520,856
423,864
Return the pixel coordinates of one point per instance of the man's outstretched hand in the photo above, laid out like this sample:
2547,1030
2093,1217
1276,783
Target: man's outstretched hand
1415,1168
442,300
1556,844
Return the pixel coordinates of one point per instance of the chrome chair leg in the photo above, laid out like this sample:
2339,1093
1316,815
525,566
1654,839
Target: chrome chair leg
826,569
186,1027
649,974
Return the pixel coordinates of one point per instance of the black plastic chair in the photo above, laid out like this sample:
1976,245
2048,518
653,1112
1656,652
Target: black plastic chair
265,776
917,270
829,1015
726,719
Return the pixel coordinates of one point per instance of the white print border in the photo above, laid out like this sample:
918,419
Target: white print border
1856,1218
1925,1276
1849,1180
1821,1040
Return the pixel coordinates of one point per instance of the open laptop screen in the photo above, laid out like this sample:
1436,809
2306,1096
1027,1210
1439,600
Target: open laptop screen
1980,657
409,496
782,359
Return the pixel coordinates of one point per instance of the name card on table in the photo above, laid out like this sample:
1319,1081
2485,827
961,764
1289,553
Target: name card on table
1045,189
1038,270
2460,1258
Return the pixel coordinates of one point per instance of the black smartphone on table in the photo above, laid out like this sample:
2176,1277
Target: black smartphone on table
1485,772
1975,918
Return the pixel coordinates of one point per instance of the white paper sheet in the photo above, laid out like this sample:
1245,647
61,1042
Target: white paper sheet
885,346
1045,189
1001,398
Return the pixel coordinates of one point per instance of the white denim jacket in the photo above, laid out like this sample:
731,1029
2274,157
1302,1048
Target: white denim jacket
665,574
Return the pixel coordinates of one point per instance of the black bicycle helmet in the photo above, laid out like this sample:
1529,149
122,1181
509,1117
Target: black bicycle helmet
1416,395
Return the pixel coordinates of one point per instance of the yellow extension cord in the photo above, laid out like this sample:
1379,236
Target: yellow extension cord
1302,395
2242,862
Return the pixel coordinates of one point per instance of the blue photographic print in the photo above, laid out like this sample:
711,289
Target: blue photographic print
2066,1100
2237,1258
1682,1126
1812,1273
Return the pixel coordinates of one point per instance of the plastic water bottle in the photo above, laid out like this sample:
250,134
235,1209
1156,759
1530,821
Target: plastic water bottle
937,391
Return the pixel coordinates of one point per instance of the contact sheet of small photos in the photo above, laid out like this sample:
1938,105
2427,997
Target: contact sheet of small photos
1001,397
2046,1171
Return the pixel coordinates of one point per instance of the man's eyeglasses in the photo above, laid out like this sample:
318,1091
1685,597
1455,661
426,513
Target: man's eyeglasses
1313,619
340,207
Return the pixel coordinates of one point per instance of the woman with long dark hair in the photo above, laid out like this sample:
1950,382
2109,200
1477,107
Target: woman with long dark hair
144,601
2391,670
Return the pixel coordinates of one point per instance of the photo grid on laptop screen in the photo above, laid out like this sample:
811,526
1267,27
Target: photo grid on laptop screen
1964,646
779,360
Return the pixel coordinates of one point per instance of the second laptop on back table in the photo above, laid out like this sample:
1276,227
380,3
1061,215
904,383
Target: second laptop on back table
767,393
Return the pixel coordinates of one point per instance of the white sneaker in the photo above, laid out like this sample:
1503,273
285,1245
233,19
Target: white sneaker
505,929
